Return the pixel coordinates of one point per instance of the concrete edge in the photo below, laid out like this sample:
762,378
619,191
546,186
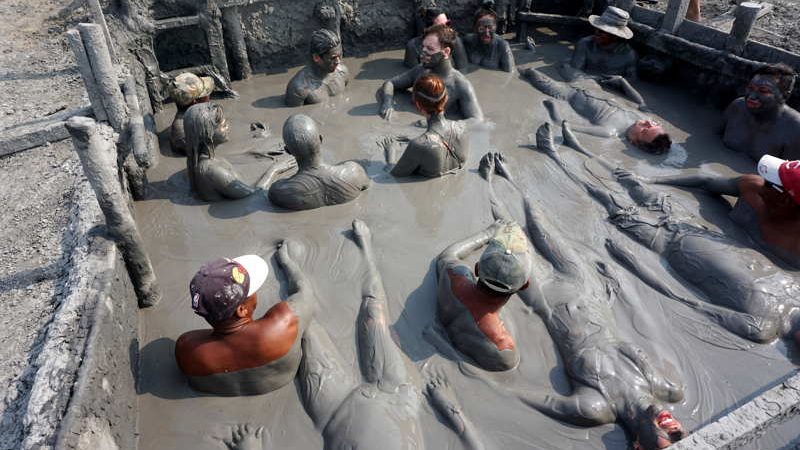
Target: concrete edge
748,421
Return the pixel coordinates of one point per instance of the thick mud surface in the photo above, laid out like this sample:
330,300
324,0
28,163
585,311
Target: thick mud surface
412,221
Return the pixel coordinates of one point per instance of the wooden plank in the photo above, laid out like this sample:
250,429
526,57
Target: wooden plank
746,14
177,22
673,17
551,19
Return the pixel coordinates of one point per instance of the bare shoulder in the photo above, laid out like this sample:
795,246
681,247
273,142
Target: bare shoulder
792,118
750,183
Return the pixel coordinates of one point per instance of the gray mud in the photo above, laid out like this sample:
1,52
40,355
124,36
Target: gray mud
412,221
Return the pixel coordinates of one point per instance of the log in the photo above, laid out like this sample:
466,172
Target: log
674,16
96,149
211,24
85,68
145,156
234,37
746,15
100,19
105,75
38,132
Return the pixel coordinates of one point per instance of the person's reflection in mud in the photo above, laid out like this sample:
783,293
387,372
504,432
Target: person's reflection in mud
613,380
484,47
324,76
380,409
607,117
212,178
745,292
240,355
315,184
442,149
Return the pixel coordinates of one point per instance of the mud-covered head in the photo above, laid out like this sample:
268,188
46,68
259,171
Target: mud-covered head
485,25
326,50
430,94
611,26
434,16
437,45
769,88
224,288
205,126
655,428
187,89
649,136
505,265
302,137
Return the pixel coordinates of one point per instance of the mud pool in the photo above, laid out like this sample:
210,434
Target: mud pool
412,221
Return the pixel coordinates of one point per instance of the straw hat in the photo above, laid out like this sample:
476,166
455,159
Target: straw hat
188,87
613,21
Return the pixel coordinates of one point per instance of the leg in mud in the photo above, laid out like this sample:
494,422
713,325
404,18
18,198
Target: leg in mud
585,407
552,110
711,183
663,387
556,89
323,380
487,170
381,360
441,396
245,437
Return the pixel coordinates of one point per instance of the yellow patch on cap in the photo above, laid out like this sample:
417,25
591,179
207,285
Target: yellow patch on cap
512,239
237,275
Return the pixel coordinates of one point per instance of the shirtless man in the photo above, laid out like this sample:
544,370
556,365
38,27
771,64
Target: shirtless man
442,149
613,380
324,76
760,123
430,17
315,184
239,355
437,46
766,207
744,291
484,47
212,178
607,117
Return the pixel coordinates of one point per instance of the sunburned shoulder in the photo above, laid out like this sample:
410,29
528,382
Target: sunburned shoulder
750,183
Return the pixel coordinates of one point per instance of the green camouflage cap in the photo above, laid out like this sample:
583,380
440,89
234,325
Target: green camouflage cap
188,87
505,265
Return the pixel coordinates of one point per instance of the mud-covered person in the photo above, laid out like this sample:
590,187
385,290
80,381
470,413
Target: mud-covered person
437,47
442,149
186,90
315,184
768,205
324,76
485,47
430,17
240,355
760,123
470,303
211,178
607,51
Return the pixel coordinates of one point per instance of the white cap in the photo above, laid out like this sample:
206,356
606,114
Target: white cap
257,269
768,167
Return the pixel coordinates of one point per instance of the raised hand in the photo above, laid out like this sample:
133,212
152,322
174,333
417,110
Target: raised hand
486,166
246,437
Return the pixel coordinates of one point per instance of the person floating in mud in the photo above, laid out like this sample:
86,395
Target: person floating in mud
324,76
607,117
769,203
437,46
211,178
606,56
746,293
612,379
760,123
186,90
240,355
380,409
430,17
442,149
484,47
315,184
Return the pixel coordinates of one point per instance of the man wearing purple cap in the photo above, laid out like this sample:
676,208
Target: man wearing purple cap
240,355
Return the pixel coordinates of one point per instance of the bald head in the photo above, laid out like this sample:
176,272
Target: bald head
301,135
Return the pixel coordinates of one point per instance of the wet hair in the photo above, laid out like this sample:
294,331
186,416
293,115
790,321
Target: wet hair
785,75
200,123
430,94
301,134
429,15
447,36
483,13
657,146
323,41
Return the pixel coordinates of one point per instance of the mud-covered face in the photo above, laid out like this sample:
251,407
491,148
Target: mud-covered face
485,28
763,94
603,38
432,52
441,19
330,60
644,132
666,430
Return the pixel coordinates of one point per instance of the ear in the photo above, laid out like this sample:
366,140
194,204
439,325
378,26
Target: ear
447,51
242,310
316,58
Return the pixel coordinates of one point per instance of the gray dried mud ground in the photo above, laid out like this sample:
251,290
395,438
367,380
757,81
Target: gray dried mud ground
411,223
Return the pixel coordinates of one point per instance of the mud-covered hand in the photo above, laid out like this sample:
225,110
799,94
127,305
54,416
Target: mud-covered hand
386,109
246,437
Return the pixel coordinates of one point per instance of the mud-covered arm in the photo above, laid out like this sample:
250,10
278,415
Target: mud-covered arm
296,93
455,253
506,56
459,54
470,108
227,183
278,167
407,163
385,95
713,184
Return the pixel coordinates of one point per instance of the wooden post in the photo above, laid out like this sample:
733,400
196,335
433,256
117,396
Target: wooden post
105,75
145,156
234,37
626,5
100,19
95,146
85,68
673,17
211,24
746,15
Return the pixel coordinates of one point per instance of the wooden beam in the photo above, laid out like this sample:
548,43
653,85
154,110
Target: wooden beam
674,16
177,22
746,15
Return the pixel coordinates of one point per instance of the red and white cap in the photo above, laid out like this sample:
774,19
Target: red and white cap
783,173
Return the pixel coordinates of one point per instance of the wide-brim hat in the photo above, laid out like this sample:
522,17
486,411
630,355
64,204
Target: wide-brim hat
613,21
